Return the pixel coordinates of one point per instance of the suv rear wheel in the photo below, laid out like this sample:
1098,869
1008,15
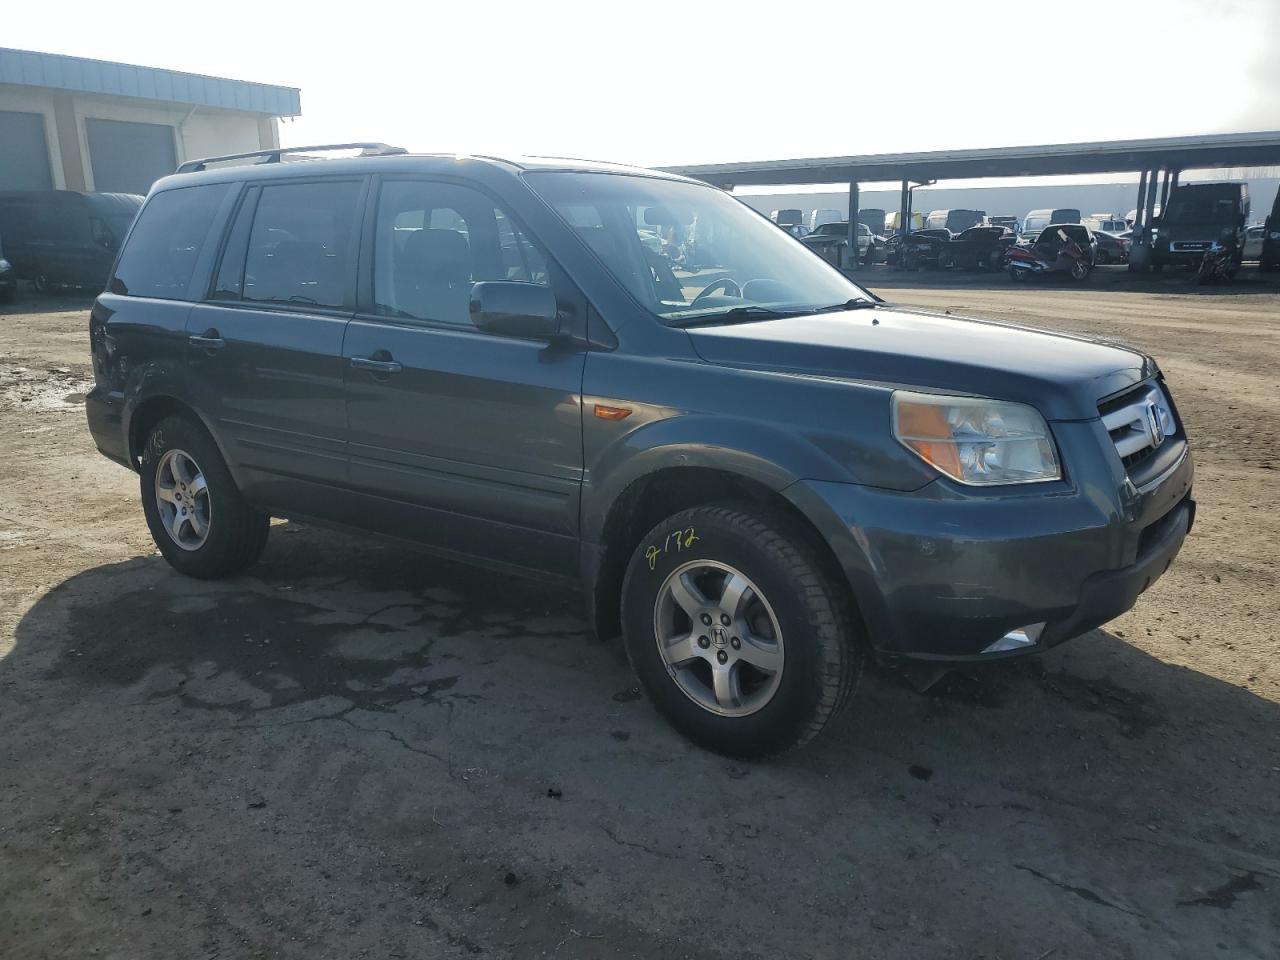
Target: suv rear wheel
737,633
196,514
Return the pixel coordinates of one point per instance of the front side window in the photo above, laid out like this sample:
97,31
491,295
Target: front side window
687,251
162,251
300,249
433,241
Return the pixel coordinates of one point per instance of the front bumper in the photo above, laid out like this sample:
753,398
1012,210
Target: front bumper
943,573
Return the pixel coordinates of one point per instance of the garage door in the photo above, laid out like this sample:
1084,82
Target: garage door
129,157
24,154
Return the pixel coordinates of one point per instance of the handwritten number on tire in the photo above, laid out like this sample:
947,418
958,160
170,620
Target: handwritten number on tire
677,540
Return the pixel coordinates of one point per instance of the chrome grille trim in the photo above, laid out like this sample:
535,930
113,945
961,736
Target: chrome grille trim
1141,424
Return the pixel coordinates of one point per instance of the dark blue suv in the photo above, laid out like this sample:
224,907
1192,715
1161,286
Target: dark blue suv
757,471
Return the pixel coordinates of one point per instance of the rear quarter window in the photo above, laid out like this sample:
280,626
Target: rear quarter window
163,248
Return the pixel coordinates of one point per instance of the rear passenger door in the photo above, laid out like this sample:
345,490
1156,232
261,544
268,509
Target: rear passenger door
264,352
465,440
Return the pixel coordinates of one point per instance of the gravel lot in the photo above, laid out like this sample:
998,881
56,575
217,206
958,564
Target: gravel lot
358,751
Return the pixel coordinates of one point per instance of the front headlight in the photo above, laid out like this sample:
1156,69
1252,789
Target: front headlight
975,440
5,265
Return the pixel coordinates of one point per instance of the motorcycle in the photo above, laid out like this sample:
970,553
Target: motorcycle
1039,261
1216,264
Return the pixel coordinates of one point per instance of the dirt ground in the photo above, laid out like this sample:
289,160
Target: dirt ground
356,751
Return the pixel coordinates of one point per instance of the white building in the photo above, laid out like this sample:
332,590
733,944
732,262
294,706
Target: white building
68,123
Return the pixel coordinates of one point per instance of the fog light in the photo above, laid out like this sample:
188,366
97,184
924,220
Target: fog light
1018,639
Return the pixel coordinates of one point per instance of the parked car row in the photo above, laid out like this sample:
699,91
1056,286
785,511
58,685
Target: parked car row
831,241
977,248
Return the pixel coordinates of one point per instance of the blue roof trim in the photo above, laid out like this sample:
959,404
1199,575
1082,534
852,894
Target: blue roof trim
29,68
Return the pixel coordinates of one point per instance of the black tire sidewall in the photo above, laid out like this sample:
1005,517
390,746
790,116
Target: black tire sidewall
223,549
785,719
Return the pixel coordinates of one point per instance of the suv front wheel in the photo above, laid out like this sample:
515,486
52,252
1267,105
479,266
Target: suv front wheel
738,634
196,514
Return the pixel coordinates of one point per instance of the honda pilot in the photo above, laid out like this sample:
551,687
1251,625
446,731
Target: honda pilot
758,473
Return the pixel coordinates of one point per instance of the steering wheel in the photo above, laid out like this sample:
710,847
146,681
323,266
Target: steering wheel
726,284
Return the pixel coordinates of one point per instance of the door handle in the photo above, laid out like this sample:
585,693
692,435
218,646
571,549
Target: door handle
376,365
209,340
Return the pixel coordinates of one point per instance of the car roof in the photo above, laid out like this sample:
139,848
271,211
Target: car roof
437,163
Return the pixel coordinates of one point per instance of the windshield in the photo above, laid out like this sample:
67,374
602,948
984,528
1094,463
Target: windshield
1202,207
716,253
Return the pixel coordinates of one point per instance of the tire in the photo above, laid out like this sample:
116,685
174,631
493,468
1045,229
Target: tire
1101,258
789,595
1016,275
234,534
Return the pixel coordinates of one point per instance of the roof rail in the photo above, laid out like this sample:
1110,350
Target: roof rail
273,156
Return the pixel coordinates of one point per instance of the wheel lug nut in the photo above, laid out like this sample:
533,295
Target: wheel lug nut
724,618
706,619
735,643
703,642
722,656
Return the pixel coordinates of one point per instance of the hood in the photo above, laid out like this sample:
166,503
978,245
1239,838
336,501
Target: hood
1062,376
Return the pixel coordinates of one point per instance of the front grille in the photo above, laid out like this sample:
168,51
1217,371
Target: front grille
1138,422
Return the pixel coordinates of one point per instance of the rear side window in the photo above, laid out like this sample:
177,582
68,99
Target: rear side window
299,249
162,251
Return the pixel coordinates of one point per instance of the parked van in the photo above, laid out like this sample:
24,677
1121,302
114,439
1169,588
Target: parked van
1198,216
1270,258
873,217
1037,220
956,221
64,238
1106,222
893,222
819,217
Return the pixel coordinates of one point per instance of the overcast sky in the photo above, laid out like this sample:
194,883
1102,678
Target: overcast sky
662,82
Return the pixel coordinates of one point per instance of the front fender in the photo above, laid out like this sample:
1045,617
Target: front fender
759,452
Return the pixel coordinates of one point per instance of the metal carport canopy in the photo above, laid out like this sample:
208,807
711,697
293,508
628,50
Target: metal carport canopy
1116,156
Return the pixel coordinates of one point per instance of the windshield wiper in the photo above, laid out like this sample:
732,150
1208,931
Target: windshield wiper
743,314
857,303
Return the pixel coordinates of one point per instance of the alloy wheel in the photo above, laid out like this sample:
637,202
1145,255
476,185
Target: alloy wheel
719,638
182,496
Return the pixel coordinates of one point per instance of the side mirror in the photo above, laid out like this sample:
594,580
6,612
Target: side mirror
515,308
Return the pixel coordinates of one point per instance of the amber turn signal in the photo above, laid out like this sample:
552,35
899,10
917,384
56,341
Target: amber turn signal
604,412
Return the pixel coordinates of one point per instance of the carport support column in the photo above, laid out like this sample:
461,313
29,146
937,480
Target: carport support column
1138,258
1150,213
905,215
853,226
1164,191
